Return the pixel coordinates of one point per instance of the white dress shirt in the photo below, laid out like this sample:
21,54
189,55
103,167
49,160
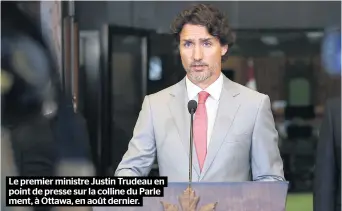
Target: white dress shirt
212,102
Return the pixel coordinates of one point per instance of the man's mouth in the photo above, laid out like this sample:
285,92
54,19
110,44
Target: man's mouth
198,67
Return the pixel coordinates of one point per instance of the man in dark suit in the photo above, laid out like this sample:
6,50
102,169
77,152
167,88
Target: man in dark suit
327,183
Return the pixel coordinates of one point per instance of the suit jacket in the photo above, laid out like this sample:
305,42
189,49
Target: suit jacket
244,142
327,182
71,134
41,143
34,148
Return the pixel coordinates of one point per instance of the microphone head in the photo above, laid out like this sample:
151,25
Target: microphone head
192,106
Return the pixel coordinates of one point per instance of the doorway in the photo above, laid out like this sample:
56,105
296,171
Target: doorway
124,75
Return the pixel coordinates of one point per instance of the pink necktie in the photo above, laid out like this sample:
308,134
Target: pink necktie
200,128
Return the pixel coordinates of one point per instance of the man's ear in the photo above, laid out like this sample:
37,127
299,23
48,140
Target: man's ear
224,49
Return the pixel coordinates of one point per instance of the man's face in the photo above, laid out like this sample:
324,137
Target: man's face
200,53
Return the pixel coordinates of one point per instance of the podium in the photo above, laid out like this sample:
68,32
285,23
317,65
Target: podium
240,196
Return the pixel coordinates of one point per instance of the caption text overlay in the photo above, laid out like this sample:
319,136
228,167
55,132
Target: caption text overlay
82,191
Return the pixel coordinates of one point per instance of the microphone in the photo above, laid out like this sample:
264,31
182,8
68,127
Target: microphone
192,106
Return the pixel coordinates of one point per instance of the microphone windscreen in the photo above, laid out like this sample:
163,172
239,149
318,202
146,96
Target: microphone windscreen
192,106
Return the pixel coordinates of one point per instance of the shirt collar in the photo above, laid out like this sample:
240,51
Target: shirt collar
214,89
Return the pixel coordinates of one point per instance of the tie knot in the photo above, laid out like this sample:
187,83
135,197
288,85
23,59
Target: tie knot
202,97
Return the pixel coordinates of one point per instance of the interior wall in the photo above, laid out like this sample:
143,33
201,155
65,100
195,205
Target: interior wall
158,15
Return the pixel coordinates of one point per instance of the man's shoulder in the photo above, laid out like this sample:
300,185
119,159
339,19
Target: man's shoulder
334,106
249,95
334,102
163,94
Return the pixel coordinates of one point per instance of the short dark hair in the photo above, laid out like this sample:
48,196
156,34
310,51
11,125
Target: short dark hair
210,17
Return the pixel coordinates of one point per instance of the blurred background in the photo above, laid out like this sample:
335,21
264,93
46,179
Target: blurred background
111,54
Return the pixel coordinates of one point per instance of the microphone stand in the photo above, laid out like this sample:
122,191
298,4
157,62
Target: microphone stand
192,106
191,147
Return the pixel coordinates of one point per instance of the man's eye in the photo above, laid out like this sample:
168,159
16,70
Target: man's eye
207,44
187,44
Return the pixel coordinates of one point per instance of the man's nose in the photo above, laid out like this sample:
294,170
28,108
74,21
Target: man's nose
197,53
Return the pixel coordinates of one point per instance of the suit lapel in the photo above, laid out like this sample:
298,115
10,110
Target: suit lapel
228,106
179,110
